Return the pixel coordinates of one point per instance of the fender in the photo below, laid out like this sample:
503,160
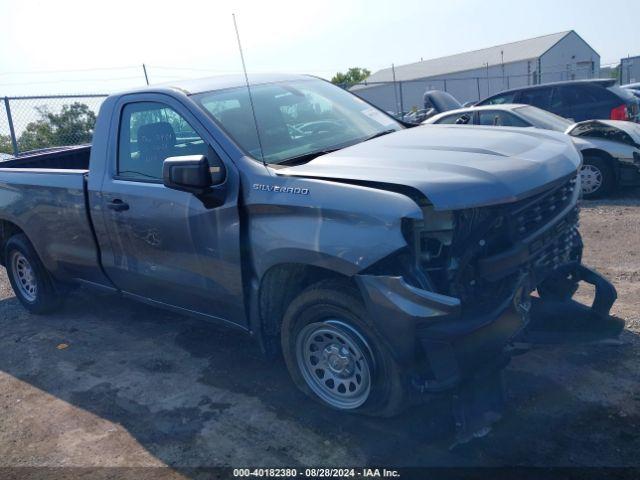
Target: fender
338,226
616,150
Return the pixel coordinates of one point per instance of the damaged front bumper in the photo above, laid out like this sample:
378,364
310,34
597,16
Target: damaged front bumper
429,334
491,264
446,350
442,346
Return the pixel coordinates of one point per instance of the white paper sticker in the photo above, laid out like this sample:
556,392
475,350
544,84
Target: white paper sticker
378,116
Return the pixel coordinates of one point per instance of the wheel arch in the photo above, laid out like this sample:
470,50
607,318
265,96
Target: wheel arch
7,230
604,155
277,288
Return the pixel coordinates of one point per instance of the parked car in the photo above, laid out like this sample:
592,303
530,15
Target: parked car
384,263
417,116
435,101
577,100
610,148
633,88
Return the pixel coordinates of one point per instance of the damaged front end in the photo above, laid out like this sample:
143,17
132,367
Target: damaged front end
467,295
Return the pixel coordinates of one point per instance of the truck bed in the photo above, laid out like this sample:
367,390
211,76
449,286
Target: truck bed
74,157
45,193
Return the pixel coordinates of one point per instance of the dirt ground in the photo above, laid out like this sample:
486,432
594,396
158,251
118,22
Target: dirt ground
136,386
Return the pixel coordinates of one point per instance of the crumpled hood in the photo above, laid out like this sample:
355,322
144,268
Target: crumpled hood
454,166
584,128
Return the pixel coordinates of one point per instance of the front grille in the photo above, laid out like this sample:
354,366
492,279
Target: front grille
529,215
486,233
561,250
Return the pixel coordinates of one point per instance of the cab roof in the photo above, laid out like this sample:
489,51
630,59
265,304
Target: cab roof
220,82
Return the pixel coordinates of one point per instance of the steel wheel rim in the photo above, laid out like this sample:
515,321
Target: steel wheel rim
333,360
591,178
24,276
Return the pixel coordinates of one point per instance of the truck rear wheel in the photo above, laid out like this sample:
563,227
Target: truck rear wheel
335,357
29,278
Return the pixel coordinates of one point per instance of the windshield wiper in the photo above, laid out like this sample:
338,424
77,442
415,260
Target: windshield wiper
306,157
380,134
310,156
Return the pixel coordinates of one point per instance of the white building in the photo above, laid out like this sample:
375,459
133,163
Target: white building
472,76
630,70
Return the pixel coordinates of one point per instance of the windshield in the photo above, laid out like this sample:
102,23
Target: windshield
295,118
543,119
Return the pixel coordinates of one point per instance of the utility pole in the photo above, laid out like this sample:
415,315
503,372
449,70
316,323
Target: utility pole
12,132
395,91
502,63
146,77
487,65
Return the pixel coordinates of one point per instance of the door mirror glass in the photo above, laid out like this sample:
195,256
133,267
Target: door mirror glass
192,173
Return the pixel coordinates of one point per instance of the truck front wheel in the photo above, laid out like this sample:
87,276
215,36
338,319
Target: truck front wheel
30,280
335,357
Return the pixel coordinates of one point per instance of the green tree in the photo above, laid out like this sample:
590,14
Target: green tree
615,72
72,126
353,75
5,144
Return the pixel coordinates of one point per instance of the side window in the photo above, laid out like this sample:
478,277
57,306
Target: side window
458,118
574,95
597,94
538,97
149,133
499,118
564,97
500,99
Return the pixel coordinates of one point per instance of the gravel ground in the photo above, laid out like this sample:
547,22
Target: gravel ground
107,382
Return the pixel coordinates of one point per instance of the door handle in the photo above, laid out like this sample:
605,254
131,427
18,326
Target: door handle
118,205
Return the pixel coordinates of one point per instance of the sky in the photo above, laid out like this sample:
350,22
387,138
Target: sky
69,46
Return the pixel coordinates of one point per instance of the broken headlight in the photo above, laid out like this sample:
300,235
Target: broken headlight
432,237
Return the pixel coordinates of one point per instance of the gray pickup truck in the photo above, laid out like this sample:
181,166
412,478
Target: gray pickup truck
383,262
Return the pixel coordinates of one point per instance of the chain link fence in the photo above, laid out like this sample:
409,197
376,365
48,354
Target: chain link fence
36,122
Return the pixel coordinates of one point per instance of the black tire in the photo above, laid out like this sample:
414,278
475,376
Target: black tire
46,298
607,178
338,304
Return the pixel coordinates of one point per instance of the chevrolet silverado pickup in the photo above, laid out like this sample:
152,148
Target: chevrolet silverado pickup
384,263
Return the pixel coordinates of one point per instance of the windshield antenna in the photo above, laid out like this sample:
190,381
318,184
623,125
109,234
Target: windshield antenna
246,78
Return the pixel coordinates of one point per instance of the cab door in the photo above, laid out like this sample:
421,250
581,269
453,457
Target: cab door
165,245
